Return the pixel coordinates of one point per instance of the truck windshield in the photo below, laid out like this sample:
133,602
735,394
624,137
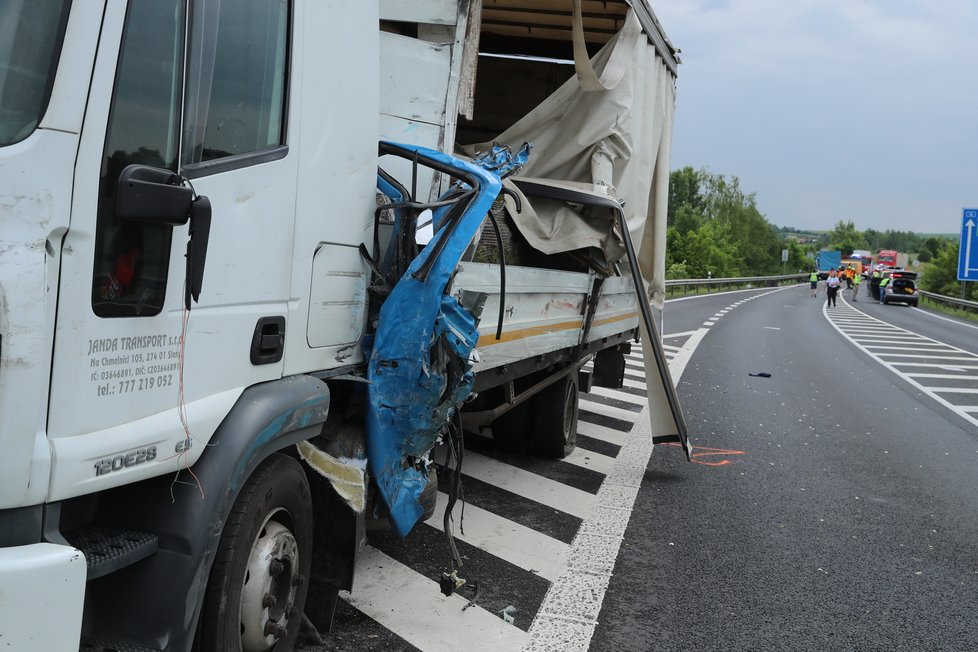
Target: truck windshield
30,41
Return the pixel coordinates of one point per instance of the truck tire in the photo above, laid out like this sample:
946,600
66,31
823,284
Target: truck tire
429,495
555,418
256,590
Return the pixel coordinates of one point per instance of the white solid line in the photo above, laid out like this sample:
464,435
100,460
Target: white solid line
411,606
716,294
913,355
954,390
955,376
577,594
882,330
678,364
896,339
964,414
634,384
529,485
953,321
906,348
590,460
517,544
619,395
672,335
608,410
772,328
604,433
936,365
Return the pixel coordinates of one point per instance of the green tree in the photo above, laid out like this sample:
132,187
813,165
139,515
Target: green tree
846,238
684,193
941,276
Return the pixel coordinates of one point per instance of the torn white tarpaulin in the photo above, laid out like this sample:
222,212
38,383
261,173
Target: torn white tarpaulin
617,140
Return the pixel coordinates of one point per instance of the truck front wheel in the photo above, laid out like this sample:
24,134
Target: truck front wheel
257,586
555,418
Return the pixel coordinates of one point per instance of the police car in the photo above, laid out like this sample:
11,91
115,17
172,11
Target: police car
902,287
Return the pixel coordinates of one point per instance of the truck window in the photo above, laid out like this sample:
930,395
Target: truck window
236,79
31,32
131,260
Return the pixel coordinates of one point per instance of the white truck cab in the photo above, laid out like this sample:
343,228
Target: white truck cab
194,344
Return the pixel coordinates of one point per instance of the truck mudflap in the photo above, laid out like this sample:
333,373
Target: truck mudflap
420,363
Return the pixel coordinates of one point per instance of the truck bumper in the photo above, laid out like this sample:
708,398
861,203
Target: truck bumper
42,594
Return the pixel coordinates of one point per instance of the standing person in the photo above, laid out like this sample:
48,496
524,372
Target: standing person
813,279
856,280
832,287
874,282
883,283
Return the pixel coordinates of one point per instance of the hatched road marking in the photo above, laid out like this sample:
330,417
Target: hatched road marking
905,348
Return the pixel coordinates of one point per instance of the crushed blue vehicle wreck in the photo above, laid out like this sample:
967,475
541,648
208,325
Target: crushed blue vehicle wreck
419,369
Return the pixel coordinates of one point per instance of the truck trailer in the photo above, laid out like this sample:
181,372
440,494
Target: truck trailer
260,263
826,260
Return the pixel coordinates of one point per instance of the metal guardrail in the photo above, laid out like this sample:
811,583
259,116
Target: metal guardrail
940,298
710,283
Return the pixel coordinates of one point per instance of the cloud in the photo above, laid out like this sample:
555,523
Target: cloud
863,109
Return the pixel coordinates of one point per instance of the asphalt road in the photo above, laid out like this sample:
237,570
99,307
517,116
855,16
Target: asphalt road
832,506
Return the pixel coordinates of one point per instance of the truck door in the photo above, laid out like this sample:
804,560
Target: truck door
198,88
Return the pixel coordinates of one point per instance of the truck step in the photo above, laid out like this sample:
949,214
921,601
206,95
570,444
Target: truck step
88,645
109,549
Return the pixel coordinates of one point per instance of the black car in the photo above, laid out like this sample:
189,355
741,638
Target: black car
902,288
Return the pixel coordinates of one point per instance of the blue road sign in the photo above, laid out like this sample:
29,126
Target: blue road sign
968,252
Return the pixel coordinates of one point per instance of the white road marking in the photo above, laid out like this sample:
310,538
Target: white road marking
638,401
568,616
955,376
772,328
426,619
603,433
608,410
529,485
673,335
953,321
936,365
590,460
904,348
678,364
891,339
889,361
914,355
506,539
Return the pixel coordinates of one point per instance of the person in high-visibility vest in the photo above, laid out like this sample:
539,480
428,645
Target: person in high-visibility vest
813,279
874,282
856,280
883,284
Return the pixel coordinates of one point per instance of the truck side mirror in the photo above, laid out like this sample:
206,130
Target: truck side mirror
148,195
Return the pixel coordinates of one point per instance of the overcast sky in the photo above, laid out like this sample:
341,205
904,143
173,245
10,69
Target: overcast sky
862,110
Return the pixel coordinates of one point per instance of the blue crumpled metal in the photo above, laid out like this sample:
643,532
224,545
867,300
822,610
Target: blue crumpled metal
419,367
502,160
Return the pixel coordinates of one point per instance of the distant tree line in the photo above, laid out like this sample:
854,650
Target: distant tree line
715,229
845,237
